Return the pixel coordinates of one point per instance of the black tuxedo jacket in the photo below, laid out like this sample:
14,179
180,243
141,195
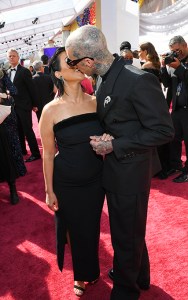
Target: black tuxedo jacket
44,89
132,108
25,98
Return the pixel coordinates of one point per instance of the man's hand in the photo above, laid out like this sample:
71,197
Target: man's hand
175,63
102,144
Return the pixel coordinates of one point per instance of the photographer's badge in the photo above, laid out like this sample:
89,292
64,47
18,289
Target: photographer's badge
107,100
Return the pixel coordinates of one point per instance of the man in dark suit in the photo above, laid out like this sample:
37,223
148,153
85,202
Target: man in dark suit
45,59
44,87
24,103
176,79
132,108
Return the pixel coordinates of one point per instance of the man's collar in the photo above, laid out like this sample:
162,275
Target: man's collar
183,60
14,67
116,57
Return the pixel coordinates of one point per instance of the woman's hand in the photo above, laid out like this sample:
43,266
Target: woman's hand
51,201
106,137
3,95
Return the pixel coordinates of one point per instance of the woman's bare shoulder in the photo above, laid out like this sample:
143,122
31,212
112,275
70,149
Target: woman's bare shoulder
93,98
92,101
52,105
90,97
51,109
148,65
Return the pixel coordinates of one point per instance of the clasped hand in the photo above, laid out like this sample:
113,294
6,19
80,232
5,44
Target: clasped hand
102,144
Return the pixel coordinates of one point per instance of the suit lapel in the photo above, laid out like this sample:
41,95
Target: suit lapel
17,72
9,73
105,97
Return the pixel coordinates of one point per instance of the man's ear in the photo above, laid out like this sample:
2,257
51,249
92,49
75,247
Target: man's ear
90,62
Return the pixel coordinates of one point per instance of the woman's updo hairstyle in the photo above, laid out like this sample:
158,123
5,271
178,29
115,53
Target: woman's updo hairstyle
55,66
125,45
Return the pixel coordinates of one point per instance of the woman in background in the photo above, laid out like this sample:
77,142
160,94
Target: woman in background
11,159
31,69
126,52
148,54
128,56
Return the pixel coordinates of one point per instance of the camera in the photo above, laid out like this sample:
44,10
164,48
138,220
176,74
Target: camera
169,58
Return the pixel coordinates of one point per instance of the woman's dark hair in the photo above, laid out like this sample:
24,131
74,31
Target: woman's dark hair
55,66
125,45
44,59
151,54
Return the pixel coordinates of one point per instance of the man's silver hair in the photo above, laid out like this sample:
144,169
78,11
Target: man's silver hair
178,39
37,64
12,50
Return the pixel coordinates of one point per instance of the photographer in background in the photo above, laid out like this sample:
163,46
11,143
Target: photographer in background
175,77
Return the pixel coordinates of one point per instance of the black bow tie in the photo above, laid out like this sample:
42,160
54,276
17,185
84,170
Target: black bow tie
12,69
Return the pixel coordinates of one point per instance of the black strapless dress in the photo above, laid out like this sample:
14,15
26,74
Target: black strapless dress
153,71
78,187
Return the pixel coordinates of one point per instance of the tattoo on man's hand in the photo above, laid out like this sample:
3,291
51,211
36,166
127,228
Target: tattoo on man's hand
104,147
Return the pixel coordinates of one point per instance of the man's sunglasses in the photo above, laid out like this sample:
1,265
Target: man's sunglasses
74,62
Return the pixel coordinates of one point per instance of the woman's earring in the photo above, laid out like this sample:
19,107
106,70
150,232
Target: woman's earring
61,78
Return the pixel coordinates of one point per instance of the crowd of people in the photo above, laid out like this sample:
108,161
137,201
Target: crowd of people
171,71
106,129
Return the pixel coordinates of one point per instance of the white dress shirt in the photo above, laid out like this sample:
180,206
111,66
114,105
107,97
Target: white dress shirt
13,73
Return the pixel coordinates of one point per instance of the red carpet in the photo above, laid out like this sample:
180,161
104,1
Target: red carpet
28,269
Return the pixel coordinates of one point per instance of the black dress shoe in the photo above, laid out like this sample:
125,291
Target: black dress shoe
111,274
32,158
14,199
172,172
143,286
181,178
162,175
